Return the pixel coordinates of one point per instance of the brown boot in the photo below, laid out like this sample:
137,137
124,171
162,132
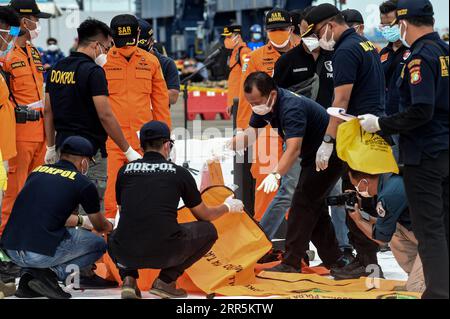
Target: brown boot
167,291
130,289
7,290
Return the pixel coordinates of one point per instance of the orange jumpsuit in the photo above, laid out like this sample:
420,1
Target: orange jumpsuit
138,94
8,123
237,60
265,158
25,69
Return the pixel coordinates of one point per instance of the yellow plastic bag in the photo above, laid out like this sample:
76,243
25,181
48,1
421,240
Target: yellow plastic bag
363,151
3,175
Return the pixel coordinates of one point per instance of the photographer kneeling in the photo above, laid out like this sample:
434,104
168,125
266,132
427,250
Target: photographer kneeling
148,236
41,236
393,224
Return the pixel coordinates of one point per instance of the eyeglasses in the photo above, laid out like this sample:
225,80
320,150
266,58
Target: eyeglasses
106,49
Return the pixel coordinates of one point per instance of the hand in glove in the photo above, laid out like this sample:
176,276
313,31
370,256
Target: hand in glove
234,205
132,155
370,123
270,184
51,156
323,156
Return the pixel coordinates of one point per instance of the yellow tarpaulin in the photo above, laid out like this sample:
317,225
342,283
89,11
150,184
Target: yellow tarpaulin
229,268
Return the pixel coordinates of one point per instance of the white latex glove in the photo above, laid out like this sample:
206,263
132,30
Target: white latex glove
51,156
132,155
234,205
323,156
270,184
370,123
87,223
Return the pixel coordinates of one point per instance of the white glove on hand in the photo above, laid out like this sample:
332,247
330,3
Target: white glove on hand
87,223
370,123
234,205
132,155
323,156
270,184
51,156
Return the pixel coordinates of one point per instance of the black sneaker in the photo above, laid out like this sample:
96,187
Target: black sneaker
90,281
271,256
284,268
9,272
337,269
46,284
24,291
359,272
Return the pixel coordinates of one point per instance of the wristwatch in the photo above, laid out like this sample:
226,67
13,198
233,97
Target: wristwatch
329,139
277,176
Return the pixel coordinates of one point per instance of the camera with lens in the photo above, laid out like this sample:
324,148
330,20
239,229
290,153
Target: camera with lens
24,114
349,200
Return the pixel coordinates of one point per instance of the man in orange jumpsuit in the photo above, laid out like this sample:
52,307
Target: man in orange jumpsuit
269,146
9,31
138,95
26,81
239,51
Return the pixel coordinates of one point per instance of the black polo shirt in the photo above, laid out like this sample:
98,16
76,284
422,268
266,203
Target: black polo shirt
297,117
170,71
149,192
424,81
72,84
50,195
356,61
297,65
393,62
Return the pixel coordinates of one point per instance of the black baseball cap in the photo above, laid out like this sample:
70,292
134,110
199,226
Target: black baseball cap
125,30
352,16
146,29
230,30
417,8
278,19
154,130
319,14
29,7
79,146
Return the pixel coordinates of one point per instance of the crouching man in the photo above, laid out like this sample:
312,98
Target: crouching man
148,236
41,236
393,225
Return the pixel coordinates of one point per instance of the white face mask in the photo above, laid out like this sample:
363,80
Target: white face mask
312,43
34,34
102,59
85,171
365,193
53,48
263,109
325,44
403,37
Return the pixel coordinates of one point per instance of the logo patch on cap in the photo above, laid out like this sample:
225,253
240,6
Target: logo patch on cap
276,17
124,31
402,12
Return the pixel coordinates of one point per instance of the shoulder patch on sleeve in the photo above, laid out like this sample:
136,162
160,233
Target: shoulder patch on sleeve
384,57
415,75
380,210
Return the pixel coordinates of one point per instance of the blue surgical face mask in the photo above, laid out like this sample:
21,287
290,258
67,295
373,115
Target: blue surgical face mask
403,37
257,36
14,32
391,33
